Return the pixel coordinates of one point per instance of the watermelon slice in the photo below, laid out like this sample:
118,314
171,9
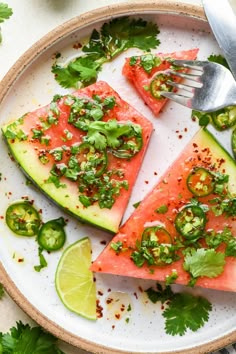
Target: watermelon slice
159,211
147,74
63,148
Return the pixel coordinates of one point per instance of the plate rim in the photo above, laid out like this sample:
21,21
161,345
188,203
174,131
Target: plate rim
40,46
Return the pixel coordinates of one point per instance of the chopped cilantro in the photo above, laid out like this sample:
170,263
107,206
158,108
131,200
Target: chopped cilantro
149,61
171,278
117,246
162,209
42,261
135,205
114,38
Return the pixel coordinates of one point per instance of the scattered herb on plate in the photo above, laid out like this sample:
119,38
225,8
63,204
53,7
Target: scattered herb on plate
182,311
28,340
5,14
114,37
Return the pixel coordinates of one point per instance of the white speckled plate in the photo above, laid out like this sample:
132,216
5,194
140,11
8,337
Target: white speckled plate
30,84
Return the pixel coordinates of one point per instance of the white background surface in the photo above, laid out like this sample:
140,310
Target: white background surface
30,21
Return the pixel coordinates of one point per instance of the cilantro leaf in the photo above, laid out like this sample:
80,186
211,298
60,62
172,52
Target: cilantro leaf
122,33
114,38
5,12
218,59
24,339
161,294
65,77
186,311
204,262
102,134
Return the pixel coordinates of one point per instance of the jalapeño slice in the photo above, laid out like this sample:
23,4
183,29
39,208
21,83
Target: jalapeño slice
23,219
156,246
190,222
52,235
91,159
201,182
160,83
224,118
156,233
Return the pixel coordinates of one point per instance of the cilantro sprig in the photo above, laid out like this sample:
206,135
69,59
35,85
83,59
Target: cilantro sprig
5,14
114,37
183,310
28,340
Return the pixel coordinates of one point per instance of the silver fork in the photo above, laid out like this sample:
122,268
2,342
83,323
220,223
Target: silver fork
208,87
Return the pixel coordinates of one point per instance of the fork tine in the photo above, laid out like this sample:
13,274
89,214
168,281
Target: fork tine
191,64
184,75
187,87
184,100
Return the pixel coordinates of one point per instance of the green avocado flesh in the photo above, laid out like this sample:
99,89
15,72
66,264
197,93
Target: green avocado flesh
44,143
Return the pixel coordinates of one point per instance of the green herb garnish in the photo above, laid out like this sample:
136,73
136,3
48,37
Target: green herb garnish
115,37
5,14
28,340
183,310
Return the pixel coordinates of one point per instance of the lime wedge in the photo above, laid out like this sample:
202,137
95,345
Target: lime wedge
74,281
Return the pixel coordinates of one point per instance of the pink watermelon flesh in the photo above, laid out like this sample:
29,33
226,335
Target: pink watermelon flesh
203,150
141,79
27,153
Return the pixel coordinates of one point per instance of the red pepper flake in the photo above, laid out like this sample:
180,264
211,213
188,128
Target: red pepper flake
155,173
135,294
99,309
140,289
77,46
117,316
104,242
1,217
180,136
122,308
100,293
20,260
109,300
146,182
113,326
